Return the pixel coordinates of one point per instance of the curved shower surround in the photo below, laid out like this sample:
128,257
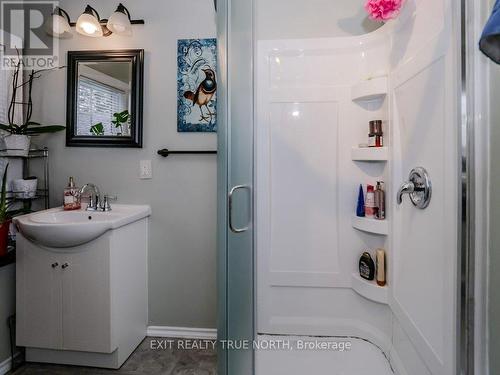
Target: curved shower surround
314,99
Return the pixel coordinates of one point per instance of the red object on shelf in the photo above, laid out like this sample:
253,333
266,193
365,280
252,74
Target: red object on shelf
4,237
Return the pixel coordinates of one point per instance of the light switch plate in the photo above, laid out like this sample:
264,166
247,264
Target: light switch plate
145,170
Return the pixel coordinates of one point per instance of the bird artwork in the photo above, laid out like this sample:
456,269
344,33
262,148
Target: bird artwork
196,85
204,95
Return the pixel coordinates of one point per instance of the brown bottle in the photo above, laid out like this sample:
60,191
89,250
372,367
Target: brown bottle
380,201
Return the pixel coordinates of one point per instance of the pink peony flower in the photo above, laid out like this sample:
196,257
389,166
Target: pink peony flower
383,10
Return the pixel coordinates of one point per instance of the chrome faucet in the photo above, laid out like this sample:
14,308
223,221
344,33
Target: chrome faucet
95,202
94,196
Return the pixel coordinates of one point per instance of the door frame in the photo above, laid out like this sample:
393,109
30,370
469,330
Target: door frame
231,35
473,224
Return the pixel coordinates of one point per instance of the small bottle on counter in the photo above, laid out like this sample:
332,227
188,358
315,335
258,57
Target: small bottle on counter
72,196
380,259
380,201
370,202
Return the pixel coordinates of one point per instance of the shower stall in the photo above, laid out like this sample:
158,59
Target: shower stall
299,82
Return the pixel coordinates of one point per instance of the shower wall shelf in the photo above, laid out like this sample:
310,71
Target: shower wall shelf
373,226
369,289
372,89
370,154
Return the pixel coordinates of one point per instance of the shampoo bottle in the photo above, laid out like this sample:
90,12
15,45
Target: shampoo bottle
71,196
380,259
366,266
370,202
360,209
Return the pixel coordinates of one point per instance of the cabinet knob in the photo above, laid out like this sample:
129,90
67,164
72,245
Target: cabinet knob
64,266
54,265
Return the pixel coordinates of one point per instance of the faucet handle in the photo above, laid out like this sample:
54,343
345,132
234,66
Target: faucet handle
105,206
92,203
418,187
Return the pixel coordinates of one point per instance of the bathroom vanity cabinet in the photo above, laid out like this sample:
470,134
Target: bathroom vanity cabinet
83,305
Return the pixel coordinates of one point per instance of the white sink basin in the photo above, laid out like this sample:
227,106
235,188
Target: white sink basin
59,228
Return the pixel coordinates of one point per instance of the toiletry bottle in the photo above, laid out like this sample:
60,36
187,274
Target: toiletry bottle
380,258
380,201
370,202
371,134
71,196
378,133
366,266
360,209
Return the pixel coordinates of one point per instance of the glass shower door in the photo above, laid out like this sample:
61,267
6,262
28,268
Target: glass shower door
235,180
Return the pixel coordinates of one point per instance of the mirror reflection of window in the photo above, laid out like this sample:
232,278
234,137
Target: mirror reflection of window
104,99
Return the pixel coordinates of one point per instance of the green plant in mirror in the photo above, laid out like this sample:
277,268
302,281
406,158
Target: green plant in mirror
120,118
97,129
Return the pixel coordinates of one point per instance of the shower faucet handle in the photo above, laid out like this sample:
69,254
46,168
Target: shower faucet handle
418,187
405,188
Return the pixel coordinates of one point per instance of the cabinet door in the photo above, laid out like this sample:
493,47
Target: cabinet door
87,299
39,294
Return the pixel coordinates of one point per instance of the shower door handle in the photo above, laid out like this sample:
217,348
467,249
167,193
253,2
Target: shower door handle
230,209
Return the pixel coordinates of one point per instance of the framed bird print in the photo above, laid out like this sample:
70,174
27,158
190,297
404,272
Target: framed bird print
196,85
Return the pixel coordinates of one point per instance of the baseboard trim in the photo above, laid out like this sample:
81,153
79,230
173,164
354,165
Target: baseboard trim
182,332
6,365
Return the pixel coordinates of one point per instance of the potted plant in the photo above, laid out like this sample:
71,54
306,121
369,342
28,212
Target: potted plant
6,215
17,141
120,119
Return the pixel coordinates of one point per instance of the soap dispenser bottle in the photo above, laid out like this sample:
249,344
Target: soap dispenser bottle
72,196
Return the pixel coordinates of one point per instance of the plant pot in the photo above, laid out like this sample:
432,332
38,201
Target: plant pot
17,144
4,237
25,188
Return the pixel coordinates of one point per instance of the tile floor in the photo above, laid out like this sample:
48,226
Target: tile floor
143,361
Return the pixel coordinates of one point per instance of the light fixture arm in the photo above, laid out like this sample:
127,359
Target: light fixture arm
91,10
122,8
61,12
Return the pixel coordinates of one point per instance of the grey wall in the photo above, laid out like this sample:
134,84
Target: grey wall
494,261
182,193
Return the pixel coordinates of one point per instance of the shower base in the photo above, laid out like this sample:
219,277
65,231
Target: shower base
294,355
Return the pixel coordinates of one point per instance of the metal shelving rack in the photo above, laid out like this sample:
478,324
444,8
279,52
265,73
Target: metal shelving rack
42,192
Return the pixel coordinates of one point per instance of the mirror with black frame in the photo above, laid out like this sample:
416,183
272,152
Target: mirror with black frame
104,106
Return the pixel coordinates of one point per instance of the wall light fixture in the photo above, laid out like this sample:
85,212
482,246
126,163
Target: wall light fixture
90,23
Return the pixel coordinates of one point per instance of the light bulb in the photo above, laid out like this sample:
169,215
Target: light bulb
88,23
88,27
119,22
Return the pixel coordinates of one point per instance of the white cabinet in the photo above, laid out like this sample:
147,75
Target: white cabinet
85,305
86,300
64,298
39,285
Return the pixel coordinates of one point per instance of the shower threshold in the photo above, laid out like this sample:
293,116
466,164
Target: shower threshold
299,355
